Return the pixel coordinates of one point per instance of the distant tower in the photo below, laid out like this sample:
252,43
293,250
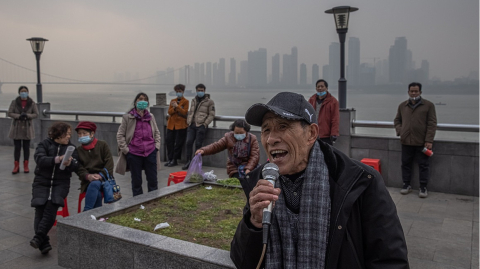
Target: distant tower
353,67
232,76
243,75
426,71
315,73
334,63
208,74
221,72
294,63
202,73
257,68
326,73
397,60
303,74
276,69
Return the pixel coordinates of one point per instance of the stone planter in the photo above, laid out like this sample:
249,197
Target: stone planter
87,243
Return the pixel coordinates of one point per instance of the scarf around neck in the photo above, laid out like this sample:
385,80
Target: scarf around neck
313,221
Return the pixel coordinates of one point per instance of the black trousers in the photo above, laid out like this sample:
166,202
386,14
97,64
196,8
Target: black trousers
197,135
409,153
45,216
139,163
175,140
18,147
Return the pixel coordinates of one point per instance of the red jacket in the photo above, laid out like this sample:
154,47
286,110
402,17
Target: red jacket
328,117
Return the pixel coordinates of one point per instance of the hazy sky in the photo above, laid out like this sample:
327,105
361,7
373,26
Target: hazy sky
92,39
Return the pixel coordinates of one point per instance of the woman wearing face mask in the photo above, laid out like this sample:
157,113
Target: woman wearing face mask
51,184
176,126
242,146
22,110
138,140
94,155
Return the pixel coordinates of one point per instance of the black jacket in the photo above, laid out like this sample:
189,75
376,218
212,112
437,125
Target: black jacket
46,170
365,231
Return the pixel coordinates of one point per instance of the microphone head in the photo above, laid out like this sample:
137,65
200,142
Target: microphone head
270,172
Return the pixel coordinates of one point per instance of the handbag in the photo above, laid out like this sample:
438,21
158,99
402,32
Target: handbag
111,191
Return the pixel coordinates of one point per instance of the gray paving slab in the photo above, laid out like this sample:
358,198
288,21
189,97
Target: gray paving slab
442,231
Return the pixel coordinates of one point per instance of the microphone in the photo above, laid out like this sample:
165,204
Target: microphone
270,173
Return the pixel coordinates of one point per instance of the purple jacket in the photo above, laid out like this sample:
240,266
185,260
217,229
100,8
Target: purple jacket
142,143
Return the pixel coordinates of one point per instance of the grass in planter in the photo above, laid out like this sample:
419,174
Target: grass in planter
207,217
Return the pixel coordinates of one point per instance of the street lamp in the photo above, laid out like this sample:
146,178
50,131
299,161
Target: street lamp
37,46
341,15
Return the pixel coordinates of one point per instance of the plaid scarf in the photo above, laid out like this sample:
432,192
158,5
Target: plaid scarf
311,223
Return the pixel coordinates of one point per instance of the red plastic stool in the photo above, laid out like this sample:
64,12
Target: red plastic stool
80,199
375,163
64,212
177,177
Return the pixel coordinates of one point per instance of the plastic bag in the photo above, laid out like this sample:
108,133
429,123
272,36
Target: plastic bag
210,176
194,173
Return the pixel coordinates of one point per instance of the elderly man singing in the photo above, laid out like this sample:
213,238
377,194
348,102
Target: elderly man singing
329,211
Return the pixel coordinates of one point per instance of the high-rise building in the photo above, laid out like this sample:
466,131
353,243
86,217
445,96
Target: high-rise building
276,69
315,73
334,63
397,59
196,73
326,73
426,71
257,68
303,74
202,73
381,72
221,72
215,80
232,76
208,74
243,75
294,63
353,67
290,68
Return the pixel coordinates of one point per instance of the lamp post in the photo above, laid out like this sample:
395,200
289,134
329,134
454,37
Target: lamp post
37,46
341,15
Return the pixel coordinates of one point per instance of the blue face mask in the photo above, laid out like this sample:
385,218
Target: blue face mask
179,94
321,93
142,105
24,95
239,137
200,94
85,139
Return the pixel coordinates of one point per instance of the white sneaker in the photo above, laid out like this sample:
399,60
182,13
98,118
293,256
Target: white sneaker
406,189
423,192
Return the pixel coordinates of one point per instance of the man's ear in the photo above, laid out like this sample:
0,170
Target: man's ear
92,133
312,133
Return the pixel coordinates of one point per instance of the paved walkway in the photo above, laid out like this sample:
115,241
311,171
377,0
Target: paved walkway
441,231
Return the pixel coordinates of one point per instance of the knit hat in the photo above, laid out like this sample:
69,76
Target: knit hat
87,125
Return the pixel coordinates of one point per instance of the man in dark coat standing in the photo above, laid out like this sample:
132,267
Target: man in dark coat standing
416,124
329,211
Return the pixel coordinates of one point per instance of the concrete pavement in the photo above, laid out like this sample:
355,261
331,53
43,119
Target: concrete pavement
441,230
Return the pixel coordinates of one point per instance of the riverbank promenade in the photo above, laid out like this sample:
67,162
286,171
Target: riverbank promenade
441,230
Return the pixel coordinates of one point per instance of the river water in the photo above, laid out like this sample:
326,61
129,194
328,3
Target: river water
458,109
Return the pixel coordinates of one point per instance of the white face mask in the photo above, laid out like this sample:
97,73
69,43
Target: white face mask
414,98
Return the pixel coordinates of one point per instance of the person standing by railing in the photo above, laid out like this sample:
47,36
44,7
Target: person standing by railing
138,140
200,115
176,126
416,124
22,110
328,113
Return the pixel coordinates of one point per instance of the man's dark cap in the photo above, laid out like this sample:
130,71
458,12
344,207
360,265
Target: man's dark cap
288,105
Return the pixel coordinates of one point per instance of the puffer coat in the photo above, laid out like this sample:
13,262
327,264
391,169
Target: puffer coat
22,129
203,114
48,176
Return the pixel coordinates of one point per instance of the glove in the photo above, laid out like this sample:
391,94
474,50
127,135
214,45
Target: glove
333,138
23,116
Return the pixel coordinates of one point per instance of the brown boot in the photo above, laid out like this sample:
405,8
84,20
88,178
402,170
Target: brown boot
25,167
16,168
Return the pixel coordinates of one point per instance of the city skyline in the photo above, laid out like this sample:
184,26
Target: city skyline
91,40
